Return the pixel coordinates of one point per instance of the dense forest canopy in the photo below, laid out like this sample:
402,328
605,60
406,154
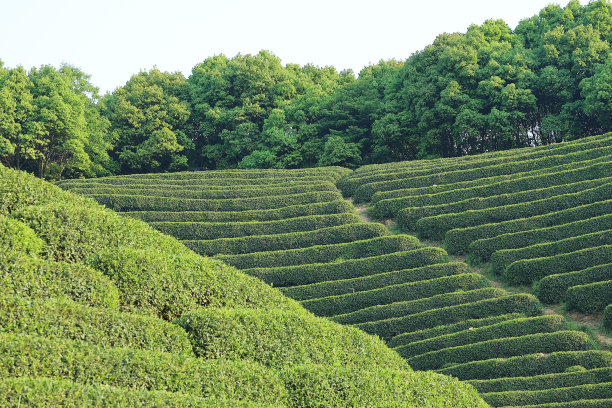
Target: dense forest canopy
491,88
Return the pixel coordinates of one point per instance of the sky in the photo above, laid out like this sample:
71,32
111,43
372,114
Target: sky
114,39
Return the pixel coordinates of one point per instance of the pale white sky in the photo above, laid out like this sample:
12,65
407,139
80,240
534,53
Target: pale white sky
113,39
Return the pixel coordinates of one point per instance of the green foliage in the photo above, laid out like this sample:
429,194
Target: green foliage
544,381
589,298
507,328
102,327
217,230
578,392
41,279
16,238
312,273
471,305
51,392
32,356
351,302
323,253
607,320
505,347
279,339
531,270
529,365
292,240
552,288
376,281
166,285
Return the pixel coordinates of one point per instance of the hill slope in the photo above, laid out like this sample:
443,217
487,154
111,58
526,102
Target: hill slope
88,304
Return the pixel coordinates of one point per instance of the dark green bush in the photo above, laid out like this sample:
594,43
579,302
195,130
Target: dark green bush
279,339
330,207
501,259
578,392
323,253
32,356
404,179
435,227
352,268
449,329
292,240
545,381
147,203
52,392
481,250
531,270
607,320
529,365
552,288
375,387
38,278
504,347
215,230
103,327
509,328
166,285
205,193
344,286
478,304
374,314
407,218
351,302
458,240
589,298
475,196
584,403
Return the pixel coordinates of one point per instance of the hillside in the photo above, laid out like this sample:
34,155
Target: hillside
293,230
102,310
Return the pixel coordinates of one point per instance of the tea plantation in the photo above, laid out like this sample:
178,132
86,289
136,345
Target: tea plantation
538,215
102,310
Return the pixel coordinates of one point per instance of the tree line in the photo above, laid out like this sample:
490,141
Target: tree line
490,88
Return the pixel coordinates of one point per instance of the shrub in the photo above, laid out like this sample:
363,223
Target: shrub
478,304
279,339
504,347
388,204
147,203
323,253
330,207
544,381
205,193
530,270
403,309
352,268
19,189
435,227
214,230
509,328
552,288
376,387
407,218
38,278
166,285
53,392
481,250
103,327
501,259
589,298
449,329
25,355
579,392
350,302
380,280
529,365
17,239
292,240
405,180
607,320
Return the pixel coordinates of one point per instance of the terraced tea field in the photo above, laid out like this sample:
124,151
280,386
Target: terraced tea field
548,208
